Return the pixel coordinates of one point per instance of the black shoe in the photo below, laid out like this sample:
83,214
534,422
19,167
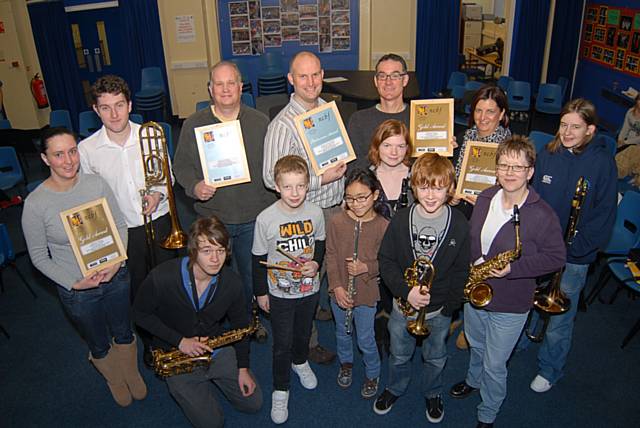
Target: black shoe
461,390
484,425
384,403
435,409
147,357
320,355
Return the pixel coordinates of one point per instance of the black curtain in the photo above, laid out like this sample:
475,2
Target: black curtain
564,41
54,43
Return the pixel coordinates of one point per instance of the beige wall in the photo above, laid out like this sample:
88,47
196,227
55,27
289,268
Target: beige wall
17,45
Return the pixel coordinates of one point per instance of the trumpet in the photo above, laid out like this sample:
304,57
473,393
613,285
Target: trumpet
419,274
155,166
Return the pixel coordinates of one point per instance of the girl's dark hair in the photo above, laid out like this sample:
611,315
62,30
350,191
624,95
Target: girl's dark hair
367,178
495,93
50,133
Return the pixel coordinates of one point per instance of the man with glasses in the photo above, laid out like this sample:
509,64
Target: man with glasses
326,190
390,80
238,205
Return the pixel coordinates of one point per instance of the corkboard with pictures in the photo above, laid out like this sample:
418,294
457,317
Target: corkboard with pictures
256,25
611,37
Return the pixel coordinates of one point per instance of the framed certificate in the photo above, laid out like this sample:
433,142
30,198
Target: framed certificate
93,236
324,137
431,126
222,155
478,170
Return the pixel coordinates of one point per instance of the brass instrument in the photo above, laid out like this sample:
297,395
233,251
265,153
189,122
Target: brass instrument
419,274
174,362
351,286
155,166
551,300
477,290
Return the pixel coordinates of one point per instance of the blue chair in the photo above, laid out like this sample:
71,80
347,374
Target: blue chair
201,105
473,85
625,235
564,84
503,83
519,96
276,84
136,118
460,116
248,100
10,169
8,259
549,98
89,122
540,139
166,128
60,118
271,63
152,93
457,78
5,124
610,141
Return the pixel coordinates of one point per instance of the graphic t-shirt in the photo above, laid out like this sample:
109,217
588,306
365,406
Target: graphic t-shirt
295,233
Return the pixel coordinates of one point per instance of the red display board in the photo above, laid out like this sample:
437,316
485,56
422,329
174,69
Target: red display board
611,37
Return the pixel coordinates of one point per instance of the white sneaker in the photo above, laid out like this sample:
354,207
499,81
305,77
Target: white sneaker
279,403
307,377
540,384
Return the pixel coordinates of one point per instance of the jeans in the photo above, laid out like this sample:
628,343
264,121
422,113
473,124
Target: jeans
195,394
492,337
291,326
557,341
241,243
403,344
101,313
363,317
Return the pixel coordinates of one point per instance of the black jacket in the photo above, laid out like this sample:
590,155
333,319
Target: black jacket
162,307
451,262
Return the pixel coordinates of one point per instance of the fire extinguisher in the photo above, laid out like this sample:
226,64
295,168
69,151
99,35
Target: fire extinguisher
39,92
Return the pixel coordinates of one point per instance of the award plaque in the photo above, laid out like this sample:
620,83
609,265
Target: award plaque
93,236
222,155
478,170
431,126
324,137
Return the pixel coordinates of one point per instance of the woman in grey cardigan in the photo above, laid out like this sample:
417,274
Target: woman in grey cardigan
98,304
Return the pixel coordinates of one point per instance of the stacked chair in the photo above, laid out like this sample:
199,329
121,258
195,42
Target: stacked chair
272,78
60,118
152,94
89,122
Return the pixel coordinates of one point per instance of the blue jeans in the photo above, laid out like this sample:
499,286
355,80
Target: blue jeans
241,243
101,313
557,341
403,345
363,317
492,337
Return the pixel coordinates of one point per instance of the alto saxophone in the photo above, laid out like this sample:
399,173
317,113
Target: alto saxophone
477,290
174,362
419,274
351,286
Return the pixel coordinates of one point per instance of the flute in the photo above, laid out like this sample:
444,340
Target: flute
351,286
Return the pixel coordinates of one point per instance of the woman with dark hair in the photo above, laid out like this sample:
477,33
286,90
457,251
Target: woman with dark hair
572,154
97,304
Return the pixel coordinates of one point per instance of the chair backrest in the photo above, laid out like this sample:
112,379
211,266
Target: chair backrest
60,118
201,105
503,82
610,141
168,135
540,139
9,163
136,118
272,61
456,78
5,124
519,95
5,243
247,99
549,98
626,229
89,122
457,92
152,78
473,85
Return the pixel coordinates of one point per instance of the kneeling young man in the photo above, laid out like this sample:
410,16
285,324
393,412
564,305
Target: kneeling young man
184,301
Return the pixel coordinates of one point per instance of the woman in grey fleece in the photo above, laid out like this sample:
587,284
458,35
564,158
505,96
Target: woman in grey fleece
98,304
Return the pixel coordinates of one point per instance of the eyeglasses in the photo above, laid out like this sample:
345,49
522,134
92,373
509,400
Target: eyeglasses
515,168
350,199
393,76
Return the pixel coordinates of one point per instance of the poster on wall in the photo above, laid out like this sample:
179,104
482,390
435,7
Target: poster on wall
611,37
340,25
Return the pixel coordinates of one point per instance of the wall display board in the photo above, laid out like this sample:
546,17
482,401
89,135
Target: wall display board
611,37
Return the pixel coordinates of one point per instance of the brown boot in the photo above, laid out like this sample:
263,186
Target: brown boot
461,341
127,359
108,367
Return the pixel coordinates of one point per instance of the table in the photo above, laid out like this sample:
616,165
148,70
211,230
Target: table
491,60
359,86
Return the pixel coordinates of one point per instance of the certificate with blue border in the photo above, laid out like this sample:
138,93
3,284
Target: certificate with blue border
222,154
324,137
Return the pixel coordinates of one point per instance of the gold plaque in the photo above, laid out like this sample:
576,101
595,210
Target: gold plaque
93,236
431,126
478,170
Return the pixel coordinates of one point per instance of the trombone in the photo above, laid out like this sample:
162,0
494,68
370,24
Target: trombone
155,166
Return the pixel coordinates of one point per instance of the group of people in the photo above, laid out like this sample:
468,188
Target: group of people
364,225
